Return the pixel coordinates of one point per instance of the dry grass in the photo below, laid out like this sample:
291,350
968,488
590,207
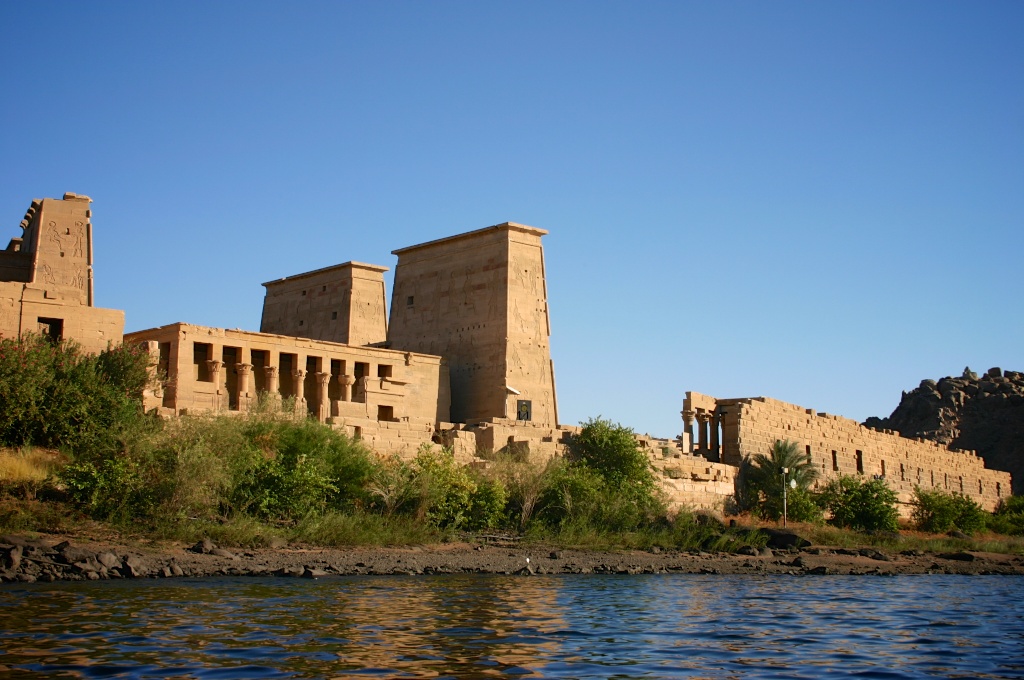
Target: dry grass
23,471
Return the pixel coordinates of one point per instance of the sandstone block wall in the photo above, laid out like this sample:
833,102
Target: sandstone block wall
344,303
218,370
480,301
840,446
46,277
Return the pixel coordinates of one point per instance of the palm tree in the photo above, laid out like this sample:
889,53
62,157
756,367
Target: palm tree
762,477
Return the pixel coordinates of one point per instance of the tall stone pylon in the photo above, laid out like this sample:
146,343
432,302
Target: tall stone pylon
479,300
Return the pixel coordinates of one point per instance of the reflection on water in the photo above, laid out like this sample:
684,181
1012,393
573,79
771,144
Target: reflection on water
558,626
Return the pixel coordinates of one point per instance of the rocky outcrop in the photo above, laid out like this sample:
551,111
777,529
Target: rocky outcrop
983,414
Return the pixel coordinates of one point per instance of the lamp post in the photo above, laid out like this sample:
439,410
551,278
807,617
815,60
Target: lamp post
785,471
785,489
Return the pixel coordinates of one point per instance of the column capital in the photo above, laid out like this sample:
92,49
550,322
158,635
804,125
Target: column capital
323,378
271,371
244,369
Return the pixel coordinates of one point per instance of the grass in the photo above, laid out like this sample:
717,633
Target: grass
24,470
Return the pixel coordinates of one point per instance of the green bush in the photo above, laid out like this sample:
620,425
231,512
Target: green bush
487,505
577,496
761,484
1008,519
55,396
611,451
938,512
444,489
857,504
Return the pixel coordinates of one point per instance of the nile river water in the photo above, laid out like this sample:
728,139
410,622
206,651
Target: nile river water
543,626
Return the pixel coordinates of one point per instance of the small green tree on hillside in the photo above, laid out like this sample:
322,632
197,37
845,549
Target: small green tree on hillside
762,481
611,450
858,504
938,512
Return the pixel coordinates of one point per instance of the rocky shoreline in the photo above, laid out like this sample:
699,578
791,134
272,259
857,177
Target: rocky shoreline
24,560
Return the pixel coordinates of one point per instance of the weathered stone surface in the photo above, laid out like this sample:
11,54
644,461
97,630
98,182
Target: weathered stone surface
134,567
984,414
204,546
46,278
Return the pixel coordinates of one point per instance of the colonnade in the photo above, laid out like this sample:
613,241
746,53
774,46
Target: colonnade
237,382
707,442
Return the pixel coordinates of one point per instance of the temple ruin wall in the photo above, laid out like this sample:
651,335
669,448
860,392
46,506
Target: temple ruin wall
840,446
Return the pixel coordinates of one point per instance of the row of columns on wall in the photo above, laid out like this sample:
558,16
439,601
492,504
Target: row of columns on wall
273,386
322,405
707,440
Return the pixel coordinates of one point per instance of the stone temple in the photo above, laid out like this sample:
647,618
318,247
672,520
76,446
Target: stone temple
463,361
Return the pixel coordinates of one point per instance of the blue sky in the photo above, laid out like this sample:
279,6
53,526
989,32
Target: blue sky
817,202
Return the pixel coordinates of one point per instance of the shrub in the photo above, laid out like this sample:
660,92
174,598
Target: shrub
487,505
55,396
578,496
611,451
938,512
444,488
524,483
857,504
1008,519
761,483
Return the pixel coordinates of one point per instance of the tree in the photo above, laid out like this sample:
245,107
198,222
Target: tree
762,483
866,505
938,512
611,450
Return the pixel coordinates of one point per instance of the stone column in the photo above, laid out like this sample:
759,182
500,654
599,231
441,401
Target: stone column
688,427
244,385
272,385
702,431
346,386
300,388
213,366
715,451
322,406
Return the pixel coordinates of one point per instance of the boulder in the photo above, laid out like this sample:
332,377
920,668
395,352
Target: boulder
783,539
204,547
134,567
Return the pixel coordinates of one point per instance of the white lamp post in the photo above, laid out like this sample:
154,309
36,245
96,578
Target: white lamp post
785,500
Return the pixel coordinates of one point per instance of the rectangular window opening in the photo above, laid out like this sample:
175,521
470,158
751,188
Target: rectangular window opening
334,316
410,300
835,462
383,371
860,462
51,329
386,413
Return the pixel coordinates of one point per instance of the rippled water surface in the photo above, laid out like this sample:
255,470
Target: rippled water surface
557,626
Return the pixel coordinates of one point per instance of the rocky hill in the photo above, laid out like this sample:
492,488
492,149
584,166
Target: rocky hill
983,414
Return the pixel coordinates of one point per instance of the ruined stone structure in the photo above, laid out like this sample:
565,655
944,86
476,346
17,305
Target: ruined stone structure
733,429
983,414
466,362
46,277
393,400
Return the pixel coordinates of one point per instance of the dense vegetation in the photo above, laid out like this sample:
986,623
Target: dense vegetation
246,479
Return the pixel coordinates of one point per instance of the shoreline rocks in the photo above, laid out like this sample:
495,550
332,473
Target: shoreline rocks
25,560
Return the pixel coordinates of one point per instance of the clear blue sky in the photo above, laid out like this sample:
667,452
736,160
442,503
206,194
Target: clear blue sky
821,202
